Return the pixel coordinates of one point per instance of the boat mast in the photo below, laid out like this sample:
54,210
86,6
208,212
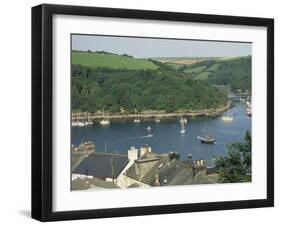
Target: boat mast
210,134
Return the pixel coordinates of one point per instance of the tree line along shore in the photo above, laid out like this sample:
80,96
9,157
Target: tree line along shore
152,114
121,86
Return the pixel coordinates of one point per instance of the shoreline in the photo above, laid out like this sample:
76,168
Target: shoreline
154,114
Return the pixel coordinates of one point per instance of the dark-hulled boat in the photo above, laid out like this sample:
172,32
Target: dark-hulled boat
208,138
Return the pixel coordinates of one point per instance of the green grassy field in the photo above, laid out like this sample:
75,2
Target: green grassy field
95,60
203,75
195,69
176,66
202,70
171,59
214,67
235,71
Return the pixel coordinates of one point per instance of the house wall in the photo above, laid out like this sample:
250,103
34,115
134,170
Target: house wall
124,181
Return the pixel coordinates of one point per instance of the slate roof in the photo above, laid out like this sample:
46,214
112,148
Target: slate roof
90,183
161,165
169,171
166,173
77,157
146,166
99,164
184,177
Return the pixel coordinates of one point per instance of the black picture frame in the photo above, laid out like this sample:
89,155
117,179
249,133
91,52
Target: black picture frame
42,107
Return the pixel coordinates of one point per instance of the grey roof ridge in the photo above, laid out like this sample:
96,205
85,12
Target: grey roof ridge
111,153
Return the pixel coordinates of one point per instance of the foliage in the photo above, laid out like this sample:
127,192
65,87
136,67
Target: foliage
197,69
235,72
237,165
176,66
106,59
214,67
203,75
167,89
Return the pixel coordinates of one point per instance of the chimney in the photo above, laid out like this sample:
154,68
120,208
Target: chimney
133,154
145,149
157,180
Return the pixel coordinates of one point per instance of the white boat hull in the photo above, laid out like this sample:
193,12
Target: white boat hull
104,122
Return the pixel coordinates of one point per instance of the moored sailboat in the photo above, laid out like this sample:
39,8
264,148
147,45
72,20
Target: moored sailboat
207,138
137,120
104,122
78,123
182,131
227,118
183,120
157,120
88,121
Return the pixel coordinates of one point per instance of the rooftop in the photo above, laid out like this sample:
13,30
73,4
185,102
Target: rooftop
166,170
90,183
102,165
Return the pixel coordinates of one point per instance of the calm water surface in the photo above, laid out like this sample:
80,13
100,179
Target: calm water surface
121,135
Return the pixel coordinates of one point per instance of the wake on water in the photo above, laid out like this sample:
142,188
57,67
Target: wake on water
130,138
147,136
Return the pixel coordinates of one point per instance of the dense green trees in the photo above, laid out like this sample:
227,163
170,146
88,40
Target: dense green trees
113,82
95,89
236,166
236,73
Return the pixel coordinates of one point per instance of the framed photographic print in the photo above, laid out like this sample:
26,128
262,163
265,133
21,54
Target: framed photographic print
145,112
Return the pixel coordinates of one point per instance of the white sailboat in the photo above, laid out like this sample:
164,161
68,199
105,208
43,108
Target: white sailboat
88,121
227,118
137,120
84,122
183,120
104,122
249,107
182,131
149,132
77,123
157,120
249,111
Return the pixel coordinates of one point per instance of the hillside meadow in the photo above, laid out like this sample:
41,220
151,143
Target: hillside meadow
104,59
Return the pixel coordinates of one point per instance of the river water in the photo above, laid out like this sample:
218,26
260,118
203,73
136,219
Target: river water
121,135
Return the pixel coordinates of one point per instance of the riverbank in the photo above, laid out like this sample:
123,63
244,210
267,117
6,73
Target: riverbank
153,114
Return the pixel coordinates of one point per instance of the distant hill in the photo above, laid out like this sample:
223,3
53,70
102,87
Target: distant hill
110,60
123,84
228,71
235,72
178,61
128,91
